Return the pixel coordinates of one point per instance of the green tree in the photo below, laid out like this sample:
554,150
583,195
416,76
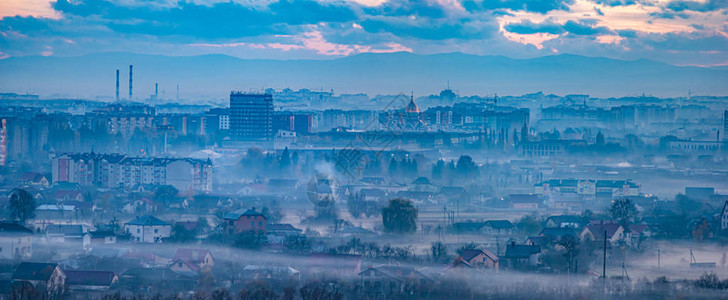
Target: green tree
400,216
392,169
165,194
468,246
529,225
437,169
570,244
249,240
438,251
285,160
623,209
21,205
600,139
181,234
524,133
466,166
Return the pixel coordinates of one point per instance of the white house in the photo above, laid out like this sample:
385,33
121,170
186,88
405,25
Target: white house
148,229
16,241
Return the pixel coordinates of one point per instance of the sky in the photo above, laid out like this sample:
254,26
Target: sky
678,32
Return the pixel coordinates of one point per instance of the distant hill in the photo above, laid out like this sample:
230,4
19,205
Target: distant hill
214,76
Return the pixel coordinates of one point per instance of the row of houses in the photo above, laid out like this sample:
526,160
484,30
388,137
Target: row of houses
53,280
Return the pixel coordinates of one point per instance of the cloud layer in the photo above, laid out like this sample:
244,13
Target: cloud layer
678,31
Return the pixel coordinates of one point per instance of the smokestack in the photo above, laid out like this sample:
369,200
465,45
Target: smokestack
130,81
117,85
156,90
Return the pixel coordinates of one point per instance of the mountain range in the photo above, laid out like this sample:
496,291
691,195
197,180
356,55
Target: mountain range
214,76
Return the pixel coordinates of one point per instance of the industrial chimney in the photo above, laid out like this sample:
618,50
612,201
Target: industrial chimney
117,85
156,90
130,81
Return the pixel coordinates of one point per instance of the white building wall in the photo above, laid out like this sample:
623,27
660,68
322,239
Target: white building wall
148,234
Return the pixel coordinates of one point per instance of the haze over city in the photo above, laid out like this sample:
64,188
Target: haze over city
366,149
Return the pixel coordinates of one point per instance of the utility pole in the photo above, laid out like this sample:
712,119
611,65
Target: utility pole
604,262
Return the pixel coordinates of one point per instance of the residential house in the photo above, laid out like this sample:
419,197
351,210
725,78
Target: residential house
148,229
283,186
356,231
16,241
338,265
202,259
480,259
455,194
101,237
524,201
68,195
392,279
373,194
422,184
243,220
78,280
46,276
521,256
67,234
269,273
498,227
284,230
144,279
58,212
468,227
563,221
556,233
596,232
34,179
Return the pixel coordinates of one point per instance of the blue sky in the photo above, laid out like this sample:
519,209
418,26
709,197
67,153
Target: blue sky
674,31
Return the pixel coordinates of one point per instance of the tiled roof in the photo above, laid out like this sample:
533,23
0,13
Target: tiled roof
94,278
147,221
34,271
7,228
521,251
499,224
234,215
192,255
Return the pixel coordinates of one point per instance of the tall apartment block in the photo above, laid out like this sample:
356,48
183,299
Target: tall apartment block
251,116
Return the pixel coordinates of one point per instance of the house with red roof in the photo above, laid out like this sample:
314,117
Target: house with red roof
192,260
34,179
478,259
80,280
243,220
596,231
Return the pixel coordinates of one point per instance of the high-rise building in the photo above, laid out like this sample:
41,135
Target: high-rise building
251,116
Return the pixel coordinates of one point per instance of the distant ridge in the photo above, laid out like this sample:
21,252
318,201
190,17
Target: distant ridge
214,75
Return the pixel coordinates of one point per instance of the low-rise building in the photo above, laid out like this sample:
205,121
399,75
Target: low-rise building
522,256
16,241
243,220
392,279
46,276
148,229
480,259
78,280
